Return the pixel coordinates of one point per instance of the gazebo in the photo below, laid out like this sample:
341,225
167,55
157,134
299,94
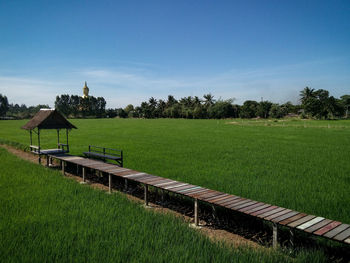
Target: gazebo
48,119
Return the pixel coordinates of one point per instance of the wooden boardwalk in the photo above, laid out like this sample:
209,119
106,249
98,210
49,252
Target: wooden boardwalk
278,216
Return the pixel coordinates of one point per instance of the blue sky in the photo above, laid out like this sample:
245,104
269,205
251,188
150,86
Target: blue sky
128,51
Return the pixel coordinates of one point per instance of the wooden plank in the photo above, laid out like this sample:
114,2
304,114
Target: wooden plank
213,194
292,219
227,200
269,208
135,175
237,202
237,207
97,165
301,221
189,189
327,228
285,216
169,188
125,173
118,172
283,212
336,231
224,199
198,190
347,240
271,212
173,189
257,208
194,195
154,182
246,208
310,223
169,185
150,179
184,188
168,181
141,178
114,169
317,226
213,198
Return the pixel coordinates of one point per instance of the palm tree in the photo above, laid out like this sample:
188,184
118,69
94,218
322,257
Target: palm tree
209,99
306,94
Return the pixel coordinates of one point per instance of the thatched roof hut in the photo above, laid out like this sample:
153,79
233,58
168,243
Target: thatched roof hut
48,119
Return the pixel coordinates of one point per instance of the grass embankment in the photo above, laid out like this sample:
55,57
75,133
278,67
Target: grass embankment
45,217
301,165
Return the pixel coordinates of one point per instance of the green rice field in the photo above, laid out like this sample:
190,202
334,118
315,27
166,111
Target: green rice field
297,164
45,217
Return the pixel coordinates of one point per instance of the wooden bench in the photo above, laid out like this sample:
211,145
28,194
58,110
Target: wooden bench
105,154
61,148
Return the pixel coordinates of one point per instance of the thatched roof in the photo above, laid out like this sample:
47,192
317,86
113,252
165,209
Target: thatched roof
48,119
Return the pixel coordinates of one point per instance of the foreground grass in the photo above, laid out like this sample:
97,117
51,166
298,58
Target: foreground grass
45,217
301,165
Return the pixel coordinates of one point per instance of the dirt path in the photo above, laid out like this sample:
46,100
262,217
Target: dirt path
214,234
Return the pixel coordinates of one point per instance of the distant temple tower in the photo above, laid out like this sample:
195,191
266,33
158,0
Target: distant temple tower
85,91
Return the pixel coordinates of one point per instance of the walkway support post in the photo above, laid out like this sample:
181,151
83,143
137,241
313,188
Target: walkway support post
63,168
146,195
274,235
125,185
291,240
84,174
162,197
39,146
110,183
196,221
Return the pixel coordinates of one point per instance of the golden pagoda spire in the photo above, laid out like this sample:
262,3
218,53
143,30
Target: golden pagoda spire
85,91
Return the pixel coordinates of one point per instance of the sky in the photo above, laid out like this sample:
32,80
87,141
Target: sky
129,51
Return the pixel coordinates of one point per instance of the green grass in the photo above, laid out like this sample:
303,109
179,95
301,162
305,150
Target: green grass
45,217
301,165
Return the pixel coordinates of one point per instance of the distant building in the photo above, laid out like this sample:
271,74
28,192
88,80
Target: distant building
85,91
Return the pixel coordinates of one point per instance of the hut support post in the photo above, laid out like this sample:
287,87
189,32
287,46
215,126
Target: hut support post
110,183
274,235
58,138
196,221
31,137
146,195
39,146
67,140
47,160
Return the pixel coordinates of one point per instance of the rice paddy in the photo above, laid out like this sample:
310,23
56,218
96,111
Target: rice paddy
301,165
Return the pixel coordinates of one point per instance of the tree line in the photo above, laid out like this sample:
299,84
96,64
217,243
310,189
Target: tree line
317,104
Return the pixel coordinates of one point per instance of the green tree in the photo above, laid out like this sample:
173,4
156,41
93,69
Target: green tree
263,109
345,100
4,105
307,94
249,109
